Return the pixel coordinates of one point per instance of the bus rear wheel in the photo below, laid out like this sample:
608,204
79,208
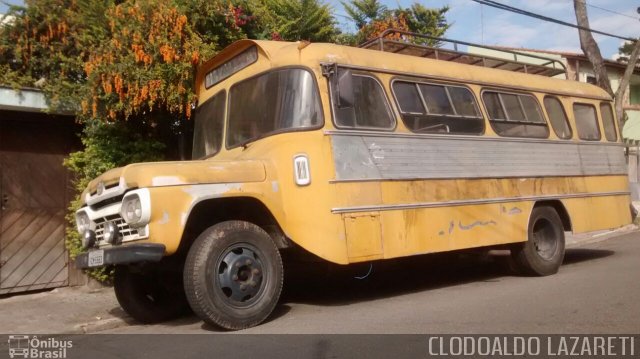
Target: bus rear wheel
233,275
543,252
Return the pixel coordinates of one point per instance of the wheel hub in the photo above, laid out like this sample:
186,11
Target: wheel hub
240,274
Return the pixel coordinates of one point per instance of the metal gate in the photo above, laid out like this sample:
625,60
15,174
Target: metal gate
33,193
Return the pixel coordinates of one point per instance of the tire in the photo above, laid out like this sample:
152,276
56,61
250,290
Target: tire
543,252
233,275
149,296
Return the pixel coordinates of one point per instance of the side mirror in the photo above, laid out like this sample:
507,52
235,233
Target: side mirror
344,89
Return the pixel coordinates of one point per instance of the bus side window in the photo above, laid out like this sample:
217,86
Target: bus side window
370,108
515,115
586,121
557,117
435,108
607,122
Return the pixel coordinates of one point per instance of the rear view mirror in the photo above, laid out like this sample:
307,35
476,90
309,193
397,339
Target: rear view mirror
344,89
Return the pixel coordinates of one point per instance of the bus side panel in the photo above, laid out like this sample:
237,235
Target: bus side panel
428,230
598,213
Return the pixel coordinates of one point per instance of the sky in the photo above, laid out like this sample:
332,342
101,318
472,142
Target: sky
482,24
473,22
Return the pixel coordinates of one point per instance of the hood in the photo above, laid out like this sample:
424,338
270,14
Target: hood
158,174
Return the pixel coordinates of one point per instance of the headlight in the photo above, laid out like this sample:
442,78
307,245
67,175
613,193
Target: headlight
136,207
82,222
112,233
132,209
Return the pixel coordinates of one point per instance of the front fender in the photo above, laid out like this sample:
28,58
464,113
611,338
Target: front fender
171,206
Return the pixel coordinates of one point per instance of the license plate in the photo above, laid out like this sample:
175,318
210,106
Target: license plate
96,258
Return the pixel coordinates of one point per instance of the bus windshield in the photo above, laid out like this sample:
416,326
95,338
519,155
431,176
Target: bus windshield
273,102
209,123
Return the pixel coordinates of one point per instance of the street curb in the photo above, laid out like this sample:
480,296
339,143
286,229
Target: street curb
98,326
585,239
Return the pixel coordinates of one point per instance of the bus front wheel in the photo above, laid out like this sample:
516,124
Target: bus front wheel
149,296
543,252
233,275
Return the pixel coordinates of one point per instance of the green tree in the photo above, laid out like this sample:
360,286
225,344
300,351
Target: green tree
372,19
625,51
294,20
46,45
426,21
364,12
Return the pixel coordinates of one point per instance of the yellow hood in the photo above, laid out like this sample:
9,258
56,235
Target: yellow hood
157,174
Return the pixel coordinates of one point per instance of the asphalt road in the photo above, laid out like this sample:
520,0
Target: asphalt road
596,291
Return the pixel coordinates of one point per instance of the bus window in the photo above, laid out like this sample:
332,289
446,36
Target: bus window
431,108
607,122
557,117
494,107
209,123
586,121
513,108
464,102
270,103
515,115
370,108
436,99
408,97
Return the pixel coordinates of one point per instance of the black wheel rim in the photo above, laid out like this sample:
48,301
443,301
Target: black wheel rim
240,275
545,239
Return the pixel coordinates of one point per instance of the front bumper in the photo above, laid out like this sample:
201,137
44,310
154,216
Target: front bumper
132,253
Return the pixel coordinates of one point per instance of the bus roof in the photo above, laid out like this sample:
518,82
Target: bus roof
282,53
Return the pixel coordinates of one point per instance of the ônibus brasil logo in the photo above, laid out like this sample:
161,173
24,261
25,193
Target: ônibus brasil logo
24,346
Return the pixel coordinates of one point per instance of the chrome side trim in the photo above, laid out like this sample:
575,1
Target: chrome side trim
466,137
380,179
395,207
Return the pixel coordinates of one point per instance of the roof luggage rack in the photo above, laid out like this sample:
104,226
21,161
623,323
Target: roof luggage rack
397,41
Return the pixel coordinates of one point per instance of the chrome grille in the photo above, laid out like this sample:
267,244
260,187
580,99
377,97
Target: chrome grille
125,230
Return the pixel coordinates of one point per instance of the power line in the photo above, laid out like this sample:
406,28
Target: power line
546,18
611,11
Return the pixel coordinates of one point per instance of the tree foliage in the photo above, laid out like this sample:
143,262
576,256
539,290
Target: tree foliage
46,44
294,20
372,19
624,51
364,12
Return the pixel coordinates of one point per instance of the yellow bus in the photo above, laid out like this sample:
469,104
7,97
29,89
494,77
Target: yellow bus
352,155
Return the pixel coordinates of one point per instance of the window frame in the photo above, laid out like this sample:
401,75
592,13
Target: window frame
419,81
391,112
613,121
224,123
498,91
566,117
595,110
280,131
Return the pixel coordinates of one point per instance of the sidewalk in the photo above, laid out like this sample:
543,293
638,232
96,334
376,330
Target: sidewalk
69,310
77,310
579,240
